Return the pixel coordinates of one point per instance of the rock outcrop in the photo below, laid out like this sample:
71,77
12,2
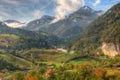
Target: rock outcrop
111,49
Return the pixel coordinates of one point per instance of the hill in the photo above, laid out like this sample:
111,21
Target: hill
11,60
102,35
22,39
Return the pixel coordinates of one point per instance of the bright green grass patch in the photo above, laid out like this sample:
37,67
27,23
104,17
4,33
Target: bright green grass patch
64,57
10,35
84,60
2,51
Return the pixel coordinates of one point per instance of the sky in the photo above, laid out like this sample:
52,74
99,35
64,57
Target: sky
28,10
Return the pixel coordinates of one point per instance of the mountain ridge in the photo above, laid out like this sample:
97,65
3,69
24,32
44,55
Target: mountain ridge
76,21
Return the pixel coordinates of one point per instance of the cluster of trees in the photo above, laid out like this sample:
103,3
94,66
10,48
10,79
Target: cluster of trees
4,65
16,42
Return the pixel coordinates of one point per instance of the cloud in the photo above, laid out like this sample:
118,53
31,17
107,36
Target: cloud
37,13
5,14
13,2
65,7
25,9
97,2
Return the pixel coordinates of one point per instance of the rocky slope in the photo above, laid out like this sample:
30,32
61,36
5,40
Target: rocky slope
111,49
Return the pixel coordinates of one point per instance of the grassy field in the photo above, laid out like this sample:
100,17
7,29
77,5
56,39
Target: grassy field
9,35
49,55
84,60
22,63
52,56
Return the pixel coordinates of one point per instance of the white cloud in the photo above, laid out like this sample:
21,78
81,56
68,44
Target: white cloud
37,13
65,7
15,24
97,2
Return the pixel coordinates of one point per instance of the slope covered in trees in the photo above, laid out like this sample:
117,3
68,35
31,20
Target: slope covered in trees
11,38
105,29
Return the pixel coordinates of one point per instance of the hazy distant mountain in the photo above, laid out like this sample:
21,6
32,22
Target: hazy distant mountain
39,23
14,24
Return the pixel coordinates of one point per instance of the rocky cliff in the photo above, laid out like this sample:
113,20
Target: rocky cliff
111,49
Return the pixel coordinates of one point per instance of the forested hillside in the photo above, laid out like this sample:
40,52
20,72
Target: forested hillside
11,38
106,29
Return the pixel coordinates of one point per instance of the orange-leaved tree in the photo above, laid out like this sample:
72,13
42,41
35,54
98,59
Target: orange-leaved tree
30,78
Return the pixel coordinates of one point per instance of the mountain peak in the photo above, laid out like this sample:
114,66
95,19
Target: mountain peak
87,11
86,8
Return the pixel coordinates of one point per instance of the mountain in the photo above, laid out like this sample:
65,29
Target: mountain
14,38
70,27
39,23
74,24
14,23
102,35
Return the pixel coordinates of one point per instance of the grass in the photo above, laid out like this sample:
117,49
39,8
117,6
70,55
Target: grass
22,63
8,40
2,51
84,60
49,55
9,35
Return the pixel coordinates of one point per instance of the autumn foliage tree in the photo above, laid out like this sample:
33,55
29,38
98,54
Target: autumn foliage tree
30,78
100,73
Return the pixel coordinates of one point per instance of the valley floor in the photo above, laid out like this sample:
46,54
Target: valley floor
37,64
